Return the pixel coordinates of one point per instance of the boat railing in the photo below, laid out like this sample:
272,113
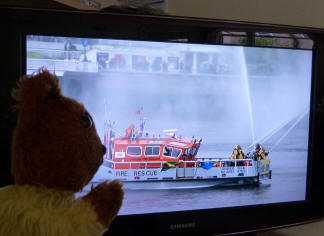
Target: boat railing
219,162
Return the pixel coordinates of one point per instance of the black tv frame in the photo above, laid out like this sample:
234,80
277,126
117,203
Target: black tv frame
16,23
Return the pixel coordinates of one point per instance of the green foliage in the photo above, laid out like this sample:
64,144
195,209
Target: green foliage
35,55
268,42
40,55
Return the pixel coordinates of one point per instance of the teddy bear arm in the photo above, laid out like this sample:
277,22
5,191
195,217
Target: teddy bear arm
29,210
106,200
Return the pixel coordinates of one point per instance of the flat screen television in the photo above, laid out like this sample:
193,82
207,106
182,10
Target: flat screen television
213,126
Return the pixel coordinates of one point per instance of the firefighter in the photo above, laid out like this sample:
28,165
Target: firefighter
260,153
237,153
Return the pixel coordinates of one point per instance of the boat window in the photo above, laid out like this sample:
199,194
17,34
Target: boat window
152,151
134,151
229,163
171,152
240,163
175,152
187,151
195,150
167,151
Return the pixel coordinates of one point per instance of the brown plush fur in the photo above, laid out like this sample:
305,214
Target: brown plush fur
53,147
103,193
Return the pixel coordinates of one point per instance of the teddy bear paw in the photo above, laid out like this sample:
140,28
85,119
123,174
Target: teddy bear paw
106,199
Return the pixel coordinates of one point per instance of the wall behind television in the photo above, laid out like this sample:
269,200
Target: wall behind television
289,12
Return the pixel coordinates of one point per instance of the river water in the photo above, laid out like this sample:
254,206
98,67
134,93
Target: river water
288,183
212,109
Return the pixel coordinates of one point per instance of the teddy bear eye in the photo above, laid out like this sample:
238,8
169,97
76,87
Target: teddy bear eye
86,121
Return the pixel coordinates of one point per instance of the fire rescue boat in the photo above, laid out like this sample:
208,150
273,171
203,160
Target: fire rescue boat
142,160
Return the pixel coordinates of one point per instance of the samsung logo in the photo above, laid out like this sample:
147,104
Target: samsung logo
183,226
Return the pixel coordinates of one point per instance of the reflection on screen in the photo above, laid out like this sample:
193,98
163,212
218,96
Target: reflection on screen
189,126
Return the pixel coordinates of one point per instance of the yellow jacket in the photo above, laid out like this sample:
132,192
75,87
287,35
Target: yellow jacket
237,154
33,211
261,155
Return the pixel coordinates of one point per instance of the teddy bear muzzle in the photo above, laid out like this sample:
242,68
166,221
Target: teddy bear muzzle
104,149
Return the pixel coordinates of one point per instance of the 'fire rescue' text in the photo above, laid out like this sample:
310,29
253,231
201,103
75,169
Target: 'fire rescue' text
124,173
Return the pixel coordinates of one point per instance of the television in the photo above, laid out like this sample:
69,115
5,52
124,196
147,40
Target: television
213,126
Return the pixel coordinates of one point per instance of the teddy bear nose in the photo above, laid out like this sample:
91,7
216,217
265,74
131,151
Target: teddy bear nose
104,149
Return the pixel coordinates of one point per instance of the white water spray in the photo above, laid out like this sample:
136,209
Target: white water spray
247,90
276,129
290,128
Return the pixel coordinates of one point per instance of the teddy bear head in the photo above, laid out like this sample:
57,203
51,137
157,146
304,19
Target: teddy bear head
55,143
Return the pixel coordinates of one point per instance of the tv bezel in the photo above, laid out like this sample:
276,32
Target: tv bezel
16,23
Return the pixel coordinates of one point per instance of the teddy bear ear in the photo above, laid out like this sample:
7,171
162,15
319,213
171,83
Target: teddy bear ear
37,88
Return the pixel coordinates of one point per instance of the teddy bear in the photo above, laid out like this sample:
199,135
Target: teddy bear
55,152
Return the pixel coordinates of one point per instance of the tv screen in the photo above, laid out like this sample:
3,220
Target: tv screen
213,127
182,122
